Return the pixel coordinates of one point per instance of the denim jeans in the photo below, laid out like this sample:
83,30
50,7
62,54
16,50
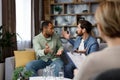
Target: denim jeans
40,64
69,66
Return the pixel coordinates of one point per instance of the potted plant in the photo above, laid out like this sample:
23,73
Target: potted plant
6,47
6,42
57,9
21,73
1,58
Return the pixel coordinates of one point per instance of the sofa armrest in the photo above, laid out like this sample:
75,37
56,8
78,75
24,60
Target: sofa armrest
9,67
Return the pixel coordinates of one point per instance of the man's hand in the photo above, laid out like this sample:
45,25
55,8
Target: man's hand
59,52
65,34
75,72
47,49
80,51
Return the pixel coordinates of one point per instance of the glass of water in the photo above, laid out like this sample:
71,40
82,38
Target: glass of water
44,73
61,74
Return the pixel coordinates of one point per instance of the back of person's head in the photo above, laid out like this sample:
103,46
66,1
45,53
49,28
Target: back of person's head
86,24
45,24
108,17
112,74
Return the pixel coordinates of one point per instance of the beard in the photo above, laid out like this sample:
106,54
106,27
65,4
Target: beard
79,34
49,34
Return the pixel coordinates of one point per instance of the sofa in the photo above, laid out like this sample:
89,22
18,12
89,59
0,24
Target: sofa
10,62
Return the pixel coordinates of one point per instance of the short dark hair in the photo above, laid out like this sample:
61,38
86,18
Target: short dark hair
45,24
86,24
112,74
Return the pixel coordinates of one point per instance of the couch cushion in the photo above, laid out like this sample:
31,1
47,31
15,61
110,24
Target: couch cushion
23,57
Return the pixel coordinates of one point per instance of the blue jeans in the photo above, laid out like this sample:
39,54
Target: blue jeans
68,67
40,64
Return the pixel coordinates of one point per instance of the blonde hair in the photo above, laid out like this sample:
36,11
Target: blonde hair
108,16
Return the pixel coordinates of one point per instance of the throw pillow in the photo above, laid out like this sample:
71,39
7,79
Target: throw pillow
23,57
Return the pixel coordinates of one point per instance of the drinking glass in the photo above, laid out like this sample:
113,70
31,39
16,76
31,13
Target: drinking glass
61,75
44,73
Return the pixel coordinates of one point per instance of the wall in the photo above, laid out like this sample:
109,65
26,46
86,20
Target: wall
0,12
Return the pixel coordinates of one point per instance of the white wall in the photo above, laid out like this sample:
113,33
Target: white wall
0,12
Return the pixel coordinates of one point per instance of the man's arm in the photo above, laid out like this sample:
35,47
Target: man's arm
71,41
36,45
59,47
66,35
94,47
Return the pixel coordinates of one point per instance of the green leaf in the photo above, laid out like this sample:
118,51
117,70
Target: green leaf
24,73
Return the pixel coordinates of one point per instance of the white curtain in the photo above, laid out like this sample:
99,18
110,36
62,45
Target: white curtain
23,24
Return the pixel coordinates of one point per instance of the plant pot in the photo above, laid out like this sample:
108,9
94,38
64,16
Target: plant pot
56,12
2,71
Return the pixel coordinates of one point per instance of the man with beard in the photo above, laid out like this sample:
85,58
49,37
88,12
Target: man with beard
48,49
85,43
107,16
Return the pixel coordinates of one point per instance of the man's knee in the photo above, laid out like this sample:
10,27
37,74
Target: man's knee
69,66
29,65
68,70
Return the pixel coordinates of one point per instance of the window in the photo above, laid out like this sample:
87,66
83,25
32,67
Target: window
23,23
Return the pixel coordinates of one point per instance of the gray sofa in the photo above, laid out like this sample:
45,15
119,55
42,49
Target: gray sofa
10,66
10,62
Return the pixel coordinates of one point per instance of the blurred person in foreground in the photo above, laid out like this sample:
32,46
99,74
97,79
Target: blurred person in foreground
48,49
111,74
108,23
